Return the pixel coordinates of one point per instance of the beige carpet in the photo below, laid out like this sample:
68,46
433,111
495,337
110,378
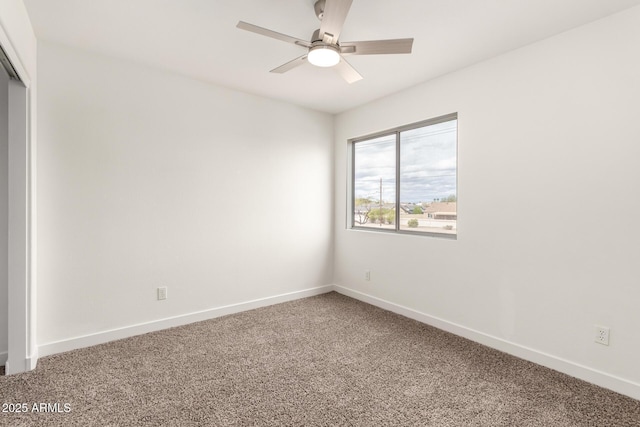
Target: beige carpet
321,361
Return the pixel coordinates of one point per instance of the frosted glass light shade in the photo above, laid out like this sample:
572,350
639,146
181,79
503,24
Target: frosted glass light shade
323,56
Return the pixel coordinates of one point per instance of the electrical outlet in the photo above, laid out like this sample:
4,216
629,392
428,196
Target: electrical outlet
602,335
367,275
162,293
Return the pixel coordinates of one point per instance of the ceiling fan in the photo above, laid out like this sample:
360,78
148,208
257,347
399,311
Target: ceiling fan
324,49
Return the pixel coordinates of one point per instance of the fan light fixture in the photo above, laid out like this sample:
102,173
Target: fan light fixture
323,56
324,48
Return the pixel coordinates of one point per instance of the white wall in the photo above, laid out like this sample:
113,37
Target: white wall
4,213
16,26
548,208
148,179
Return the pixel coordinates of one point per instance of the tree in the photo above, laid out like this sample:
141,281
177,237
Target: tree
391,217
361,216
382,216
363,201
450,198
375,215
417,210
362,210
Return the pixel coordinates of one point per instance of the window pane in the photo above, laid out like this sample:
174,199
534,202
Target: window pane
375,183
428,178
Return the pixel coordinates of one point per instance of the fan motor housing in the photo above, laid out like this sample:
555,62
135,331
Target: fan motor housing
317,40
315,37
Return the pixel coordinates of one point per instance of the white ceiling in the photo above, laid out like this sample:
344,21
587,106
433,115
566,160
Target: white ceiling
198,38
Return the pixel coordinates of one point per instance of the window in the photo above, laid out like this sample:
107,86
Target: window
404,180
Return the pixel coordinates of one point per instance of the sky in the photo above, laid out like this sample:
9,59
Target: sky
427,165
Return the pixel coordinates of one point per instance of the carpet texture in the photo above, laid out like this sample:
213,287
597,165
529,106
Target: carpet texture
322,361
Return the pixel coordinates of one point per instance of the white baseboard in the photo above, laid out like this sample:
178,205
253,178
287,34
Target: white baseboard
25,365
157,325
602,379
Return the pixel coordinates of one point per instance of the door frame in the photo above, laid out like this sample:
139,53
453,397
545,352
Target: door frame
22,353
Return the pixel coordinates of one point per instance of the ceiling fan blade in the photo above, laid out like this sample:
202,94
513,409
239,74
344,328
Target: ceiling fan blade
335,13
291,64
273,34
347,71
376,47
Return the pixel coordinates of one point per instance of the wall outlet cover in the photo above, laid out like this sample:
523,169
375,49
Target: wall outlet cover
601,335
